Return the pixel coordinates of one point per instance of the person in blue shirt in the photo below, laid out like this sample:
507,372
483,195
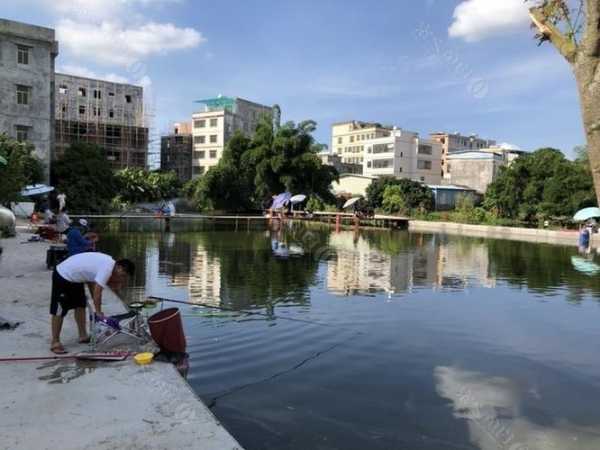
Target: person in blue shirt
79,240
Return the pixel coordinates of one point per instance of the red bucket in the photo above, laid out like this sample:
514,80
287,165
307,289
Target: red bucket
167,330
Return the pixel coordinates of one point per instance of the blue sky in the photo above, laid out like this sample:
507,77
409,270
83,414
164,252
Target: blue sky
470,66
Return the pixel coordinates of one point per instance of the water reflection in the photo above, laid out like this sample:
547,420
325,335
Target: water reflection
213,268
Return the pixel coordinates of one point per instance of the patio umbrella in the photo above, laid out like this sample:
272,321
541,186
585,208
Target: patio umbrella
281,200
3,161
299,198
350,202
586,213
36,189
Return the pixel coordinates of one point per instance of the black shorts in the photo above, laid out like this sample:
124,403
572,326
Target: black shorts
66,295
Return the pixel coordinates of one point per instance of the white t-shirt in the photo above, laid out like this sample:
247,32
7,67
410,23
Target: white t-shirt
87,267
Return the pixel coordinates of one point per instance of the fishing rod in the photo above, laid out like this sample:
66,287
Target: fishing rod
241,311
101,356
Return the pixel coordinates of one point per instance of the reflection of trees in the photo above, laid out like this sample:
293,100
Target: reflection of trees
539,267
251,275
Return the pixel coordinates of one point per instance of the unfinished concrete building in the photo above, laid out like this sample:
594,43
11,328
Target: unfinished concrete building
27,55
108,114
176,151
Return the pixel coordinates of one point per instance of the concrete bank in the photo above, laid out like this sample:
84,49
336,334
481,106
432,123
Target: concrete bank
85,405
511,233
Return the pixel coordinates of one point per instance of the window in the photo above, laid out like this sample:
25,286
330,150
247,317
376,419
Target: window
400,169
423,165
200,154
422,178
63,108
340,140
199,123
82,92
111,94
213,138
213,154
22,133
199,139
23,54
381,148
213,122
81,109
97,94
97,111
128,99
63,89
198,170
111,113
425,149
351,138
23,94
383,163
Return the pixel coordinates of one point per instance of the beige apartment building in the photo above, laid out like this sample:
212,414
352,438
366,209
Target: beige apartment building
213,127
455,142
348,139
387,151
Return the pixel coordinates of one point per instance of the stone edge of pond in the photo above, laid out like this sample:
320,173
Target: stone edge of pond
72,405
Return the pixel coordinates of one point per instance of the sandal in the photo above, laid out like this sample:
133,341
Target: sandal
58,349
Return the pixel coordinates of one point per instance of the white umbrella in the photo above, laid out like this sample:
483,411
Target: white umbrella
350,202
36,189
298,198
586,213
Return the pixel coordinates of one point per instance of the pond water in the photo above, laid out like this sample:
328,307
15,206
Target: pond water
382,339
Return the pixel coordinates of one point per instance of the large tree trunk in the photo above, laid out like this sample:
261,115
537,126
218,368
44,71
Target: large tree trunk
587,73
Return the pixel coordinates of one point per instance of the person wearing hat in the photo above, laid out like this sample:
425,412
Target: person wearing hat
79,240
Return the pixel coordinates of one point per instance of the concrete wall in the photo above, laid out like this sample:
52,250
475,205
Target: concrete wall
511,233
476,173
38,75
352,184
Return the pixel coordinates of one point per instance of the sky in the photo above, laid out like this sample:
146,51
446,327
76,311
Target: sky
469,66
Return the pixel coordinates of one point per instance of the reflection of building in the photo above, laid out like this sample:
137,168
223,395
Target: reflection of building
429,262
205,278
358,267
27,54
108,114
213,127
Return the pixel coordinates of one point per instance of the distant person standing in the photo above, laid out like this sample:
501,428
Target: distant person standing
62,201
63,222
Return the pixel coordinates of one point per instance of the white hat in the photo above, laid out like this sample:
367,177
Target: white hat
83,222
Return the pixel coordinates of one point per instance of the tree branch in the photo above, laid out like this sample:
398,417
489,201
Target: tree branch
566,46
592,29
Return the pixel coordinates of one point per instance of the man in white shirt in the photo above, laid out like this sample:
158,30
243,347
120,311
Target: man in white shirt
68,289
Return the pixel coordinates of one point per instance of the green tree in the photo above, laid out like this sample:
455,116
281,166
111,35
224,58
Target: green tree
541,185
22,168
403,195
252,170
84,175
138,185
572,26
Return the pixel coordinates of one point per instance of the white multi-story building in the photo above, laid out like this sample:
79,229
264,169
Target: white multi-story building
403,154
213,127
388,151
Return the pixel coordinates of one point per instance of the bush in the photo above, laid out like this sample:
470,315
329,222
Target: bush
315,204
394,201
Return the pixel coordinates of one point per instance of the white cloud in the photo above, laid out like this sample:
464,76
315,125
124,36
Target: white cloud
81,71
113,44
478,19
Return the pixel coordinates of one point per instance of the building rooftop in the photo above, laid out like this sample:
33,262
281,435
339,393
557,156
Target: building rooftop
58,74
26,30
